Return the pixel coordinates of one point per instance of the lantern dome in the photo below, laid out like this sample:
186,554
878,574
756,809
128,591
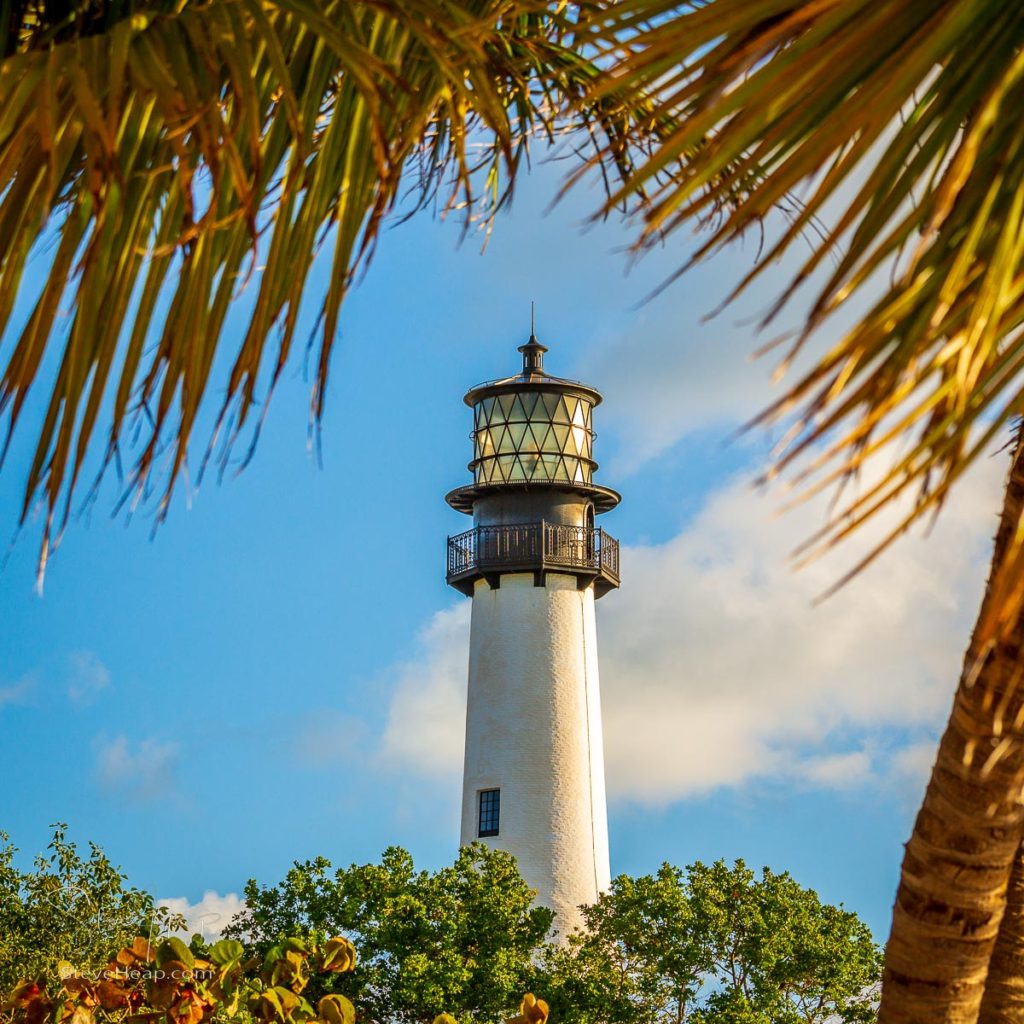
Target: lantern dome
532,430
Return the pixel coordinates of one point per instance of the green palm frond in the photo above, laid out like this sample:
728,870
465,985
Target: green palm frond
904,117
173,152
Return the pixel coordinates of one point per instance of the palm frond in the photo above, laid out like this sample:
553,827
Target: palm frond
904,117
172,152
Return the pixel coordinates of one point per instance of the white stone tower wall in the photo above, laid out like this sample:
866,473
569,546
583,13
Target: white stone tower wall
533,730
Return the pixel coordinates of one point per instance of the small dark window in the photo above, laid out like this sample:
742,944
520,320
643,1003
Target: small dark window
490,805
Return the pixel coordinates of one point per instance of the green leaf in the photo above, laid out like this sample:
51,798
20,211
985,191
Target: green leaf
336,1009
173,949
226,951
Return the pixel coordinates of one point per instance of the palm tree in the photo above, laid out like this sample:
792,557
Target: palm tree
172,150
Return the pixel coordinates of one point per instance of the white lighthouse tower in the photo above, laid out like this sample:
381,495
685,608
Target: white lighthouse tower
534,563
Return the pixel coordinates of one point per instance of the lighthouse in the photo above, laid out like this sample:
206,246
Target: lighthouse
534,563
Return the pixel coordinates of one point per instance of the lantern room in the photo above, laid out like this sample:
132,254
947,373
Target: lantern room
533,436
532,430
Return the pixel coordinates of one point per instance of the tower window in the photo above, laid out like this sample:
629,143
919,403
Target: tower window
490,806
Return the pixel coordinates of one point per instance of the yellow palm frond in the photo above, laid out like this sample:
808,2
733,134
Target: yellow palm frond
173,152
904,118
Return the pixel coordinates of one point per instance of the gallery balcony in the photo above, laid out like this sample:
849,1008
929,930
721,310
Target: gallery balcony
488,552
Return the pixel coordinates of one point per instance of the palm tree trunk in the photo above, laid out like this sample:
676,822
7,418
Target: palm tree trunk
1003,1002
967,834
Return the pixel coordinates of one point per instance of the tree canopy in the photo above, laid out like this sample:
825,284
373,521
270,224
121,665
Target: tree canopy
712,943
461,939
715,944
708,943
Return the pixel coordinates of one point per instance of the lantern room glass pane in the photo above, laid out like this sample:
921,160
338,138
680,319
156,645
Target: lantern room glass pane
517,414
579,443
539,440
531,466
517,431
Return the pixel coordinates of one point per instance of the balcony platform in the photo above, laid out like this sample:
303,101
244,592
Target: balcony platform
488,552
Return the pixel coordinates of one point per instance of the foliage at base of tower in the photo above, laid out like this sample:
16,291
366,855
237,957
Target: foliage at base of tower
463,939
166,983
709,945
68,908
714,945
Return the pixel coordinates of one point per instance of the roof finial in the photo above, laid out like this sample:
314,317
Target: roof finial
533,351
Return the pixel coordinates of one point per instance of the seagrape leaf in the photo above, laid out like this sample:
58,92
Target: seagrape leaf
226,951
338,955
174,949
335,1009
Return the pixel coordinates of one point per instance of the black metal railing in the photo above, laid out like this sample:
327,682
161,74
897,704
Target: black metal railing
533,546
608,555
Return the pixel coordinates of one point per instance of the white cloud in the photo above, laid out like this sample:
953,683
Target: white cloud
88,677
682,377
328,737
426,722
718,658
141,771
15,693
839,771
912,764
718,669
208,916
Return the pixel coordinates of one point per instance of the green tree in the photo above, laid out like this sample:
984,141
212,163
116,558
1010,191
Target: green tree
461,939
68,908
716,945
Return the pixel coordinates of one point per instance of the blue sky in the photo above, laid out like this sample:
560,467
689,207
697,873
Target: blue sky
278,673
